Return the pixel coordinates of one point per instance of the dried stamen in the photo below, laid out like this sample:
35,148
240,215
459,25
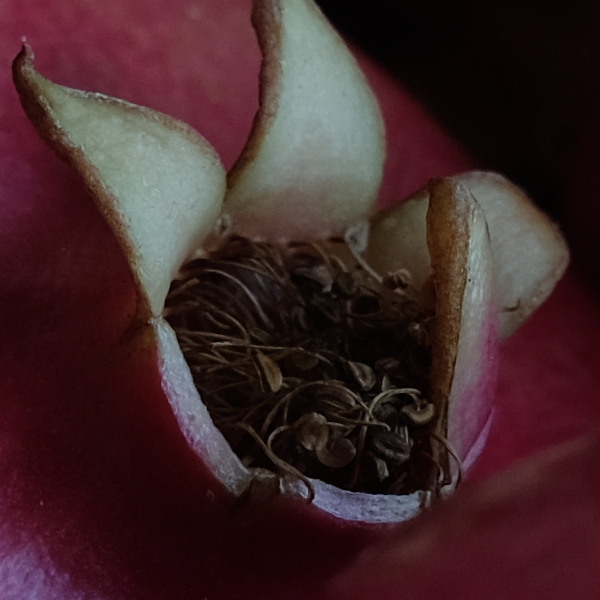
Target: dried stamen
310,365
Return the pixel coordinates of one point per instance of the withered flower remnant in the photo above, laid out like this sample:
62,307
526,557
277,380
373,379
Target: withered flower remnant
310,173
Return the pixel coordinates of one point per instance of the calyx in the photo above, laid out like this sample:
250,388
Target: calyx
311,169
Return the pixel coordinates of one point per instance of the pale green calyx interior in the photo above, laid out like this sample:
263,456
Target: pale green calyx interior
157,182
314,160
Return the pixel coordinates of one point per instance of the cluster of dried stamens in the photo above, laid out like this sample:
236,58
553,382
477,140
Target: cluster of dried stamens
310,365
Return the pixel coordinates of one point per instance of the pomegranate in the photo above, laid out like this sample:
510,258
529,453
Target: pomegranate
118,475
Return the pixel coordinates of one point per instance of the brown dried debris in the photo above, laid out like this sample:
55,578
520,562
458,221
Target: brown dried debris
311,366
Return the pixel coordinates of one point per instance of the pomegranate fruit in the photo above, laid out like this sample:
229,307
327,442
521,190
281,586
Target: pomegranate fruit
104,495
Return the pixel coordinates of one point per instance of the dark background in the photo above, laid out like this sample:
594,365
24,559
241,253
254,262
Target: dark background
516,82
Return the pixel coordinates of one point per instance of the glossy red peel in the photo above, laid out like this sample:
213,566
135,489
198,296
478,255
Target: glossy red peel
531,532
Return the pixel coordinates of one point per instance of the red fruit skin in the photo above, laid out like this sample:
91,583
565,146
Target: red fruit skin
100,497
531,532
548,389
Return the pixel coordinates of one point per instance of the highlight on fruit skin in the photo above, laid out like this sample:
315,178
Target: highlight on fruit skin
309,174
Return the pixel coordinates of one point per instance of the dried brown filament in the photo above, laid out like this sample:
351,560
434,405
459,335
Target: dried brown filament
311,366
